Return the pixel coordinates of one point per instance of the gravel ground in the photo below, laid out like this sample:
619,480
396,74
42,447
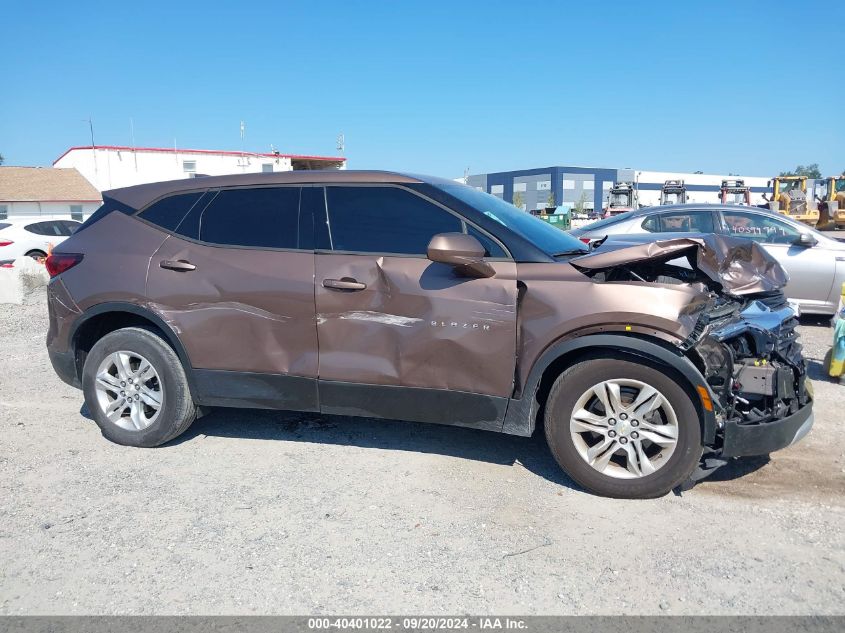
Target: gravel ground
268,512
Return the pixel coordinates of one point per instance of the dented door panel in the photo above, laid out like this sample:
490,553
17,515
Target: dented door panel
416,324
248,310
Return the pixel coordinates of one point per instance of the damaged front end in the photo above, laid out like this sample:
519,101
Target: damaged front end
743,342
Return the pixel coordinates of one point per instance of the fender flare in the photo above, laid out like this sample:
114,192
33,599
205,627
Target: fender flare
522,412
137,310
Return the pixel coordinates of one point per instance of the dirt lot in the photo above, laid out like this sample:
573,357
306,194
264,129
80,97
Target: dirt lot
266,512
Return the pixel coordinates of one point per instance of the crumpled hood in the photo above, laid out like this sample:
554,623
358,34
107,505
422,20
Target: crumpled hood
739,265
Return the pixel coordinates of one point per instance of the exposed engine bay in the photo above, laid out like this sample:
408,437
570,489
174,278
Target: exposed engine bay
744,341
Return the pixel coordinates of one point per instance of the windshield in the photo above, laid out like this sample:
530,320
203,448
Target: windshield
552,241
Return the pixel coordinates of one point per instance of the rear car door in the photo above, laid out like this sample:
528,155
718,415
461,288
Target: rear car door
811,269
235,280
401,336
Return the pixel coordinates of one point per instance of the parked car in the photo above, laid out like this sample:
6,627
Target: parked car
814,262
33,237
420,299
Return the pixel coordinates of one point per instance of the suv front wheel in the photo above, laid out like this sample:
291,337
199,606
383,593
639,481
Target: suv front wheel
622,429
136,390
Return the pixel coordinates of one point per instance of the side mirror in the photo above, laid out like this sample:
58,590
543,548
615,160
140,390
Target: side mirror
806,240
462,251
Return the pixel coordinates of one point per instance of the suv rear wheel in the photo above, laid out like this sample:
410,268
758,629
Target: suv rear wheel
136,390
622,429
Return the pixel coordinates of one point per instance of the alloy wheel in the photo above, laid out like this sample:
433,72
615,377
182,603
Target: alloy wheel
129,390
624,428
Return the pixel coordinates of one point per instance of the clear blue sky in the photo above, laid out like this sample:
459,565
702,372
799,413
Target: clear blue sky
435,87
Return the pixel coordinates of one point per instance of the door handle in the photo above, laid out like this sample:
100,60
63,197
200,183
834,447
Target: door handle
347,283
179,265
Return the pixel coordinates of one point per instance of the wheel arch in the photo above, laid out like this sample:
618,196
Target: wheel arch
105,318
522,413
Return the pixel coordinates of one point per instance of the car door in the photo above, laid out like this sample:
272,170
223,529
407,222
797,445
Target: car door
235,281
401,336
811,269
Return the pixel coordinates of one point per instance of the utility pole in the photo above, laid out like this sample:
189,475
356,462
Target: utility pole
93,151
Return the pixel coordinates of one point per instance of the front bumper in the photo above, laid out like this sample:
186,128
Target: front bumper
762,439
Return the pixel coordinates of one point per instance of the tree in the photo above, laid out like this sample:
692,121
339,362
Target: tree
550,201
810,171
517,199
1,159
579,206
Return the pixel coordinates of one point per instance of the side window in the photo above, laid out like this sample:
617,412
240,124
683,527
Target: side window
680,222
652,224
69,227
261,218
491,248
759,227
41,228
385,220
168,212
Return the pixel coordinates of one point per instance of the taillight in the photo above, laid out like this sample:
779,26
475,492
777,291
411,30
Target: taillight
57,263
586,240
6,242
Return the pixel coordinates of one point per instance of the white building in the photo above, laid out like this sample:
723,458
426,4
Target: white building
42,191
701,188
569,185
111,166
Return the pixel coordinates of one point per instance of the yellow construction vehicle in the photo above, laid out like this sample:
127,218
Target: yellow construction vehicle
789,197
832,205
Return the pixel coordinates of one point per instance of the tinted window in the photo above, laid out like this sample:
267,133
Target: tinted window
167,213
3,225
491,248
385,220
680,222
262,218
69,227
44,228
759,228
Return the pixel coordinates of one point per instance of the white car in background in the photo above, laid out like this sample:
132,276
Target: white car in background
815,262
33,237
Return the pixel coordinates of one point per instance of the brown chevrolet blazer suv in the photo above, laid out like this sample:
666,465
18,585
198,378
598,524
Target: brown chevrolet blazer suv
415,298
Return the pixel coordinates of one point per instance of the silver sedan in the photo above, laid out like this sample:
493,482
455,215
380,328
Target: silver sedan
815,262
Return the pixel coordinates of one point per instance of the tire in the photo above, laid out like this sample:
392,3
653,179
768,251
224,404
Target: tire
141,424
36,254
625,475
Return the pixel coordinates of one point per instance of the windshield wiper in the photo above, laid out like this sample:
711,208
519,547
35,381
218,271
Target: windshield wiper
574,251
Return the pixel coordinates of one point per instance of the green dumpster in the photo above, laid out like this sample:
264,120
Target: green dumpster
560,218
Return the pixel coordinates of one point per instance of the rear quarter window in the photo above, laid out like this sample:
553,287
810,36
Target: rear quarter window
168,212
43,228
